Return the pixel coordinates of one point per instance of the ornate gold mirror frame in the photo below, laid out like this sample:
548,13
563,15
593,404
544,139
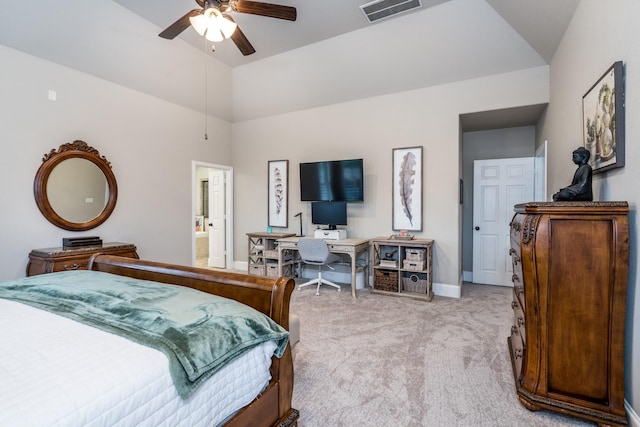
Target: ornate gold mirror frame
74,150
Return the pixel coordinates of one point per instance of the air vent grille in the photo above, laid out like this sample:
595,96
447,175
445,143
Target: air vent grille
380,9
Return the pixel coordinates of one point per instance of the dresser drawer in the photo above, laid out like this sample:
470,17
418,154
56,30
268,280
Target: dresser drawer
517,349
517,276
518,285
518,318
516,227
51,260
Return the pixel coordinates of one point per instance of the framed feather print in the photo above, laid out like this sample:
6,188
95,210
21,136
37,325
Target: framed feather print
407,189
278,183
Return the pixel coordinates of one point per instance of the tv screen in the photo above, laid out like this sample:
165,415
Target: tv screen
339,180
329,213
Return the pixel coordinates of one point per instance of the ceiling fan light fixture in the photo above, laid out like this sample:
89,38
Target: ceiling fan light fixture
227,27
213,33
212,21
199,23
212,25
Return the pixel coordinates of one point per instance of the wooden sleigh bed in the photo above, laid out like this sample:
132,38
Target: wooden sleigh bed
271,296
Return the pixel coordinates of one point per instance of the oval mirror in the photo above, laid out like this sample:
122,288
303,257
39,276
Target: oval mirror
75,188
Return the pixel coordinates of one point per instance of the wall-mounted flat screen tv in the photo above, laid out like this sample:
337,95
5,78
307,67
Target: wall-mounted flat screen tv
337,180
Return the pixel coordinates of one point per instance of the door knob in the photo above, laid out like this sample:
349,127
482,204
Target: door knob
477,228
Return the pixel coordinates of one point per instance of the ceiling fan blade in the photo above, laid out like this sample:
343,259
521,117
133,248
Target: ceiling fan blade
180,25
240,39
265,9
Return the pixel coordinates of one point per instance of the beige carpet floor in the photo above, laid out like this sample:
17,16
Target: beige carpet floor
390,361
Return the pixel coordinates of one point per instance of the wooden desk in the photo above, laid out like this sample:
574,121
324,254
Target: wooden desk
351,247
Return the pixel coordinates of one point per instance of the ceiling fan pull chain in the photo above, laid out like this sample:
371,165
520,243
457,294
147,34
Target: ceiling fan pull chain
206,90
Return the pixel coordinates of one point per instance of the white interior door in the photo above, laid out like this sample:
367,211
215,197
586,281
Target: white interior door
217,234
498,185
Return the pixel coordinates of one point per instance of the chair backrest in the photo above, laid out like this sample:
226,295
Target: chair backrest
312,249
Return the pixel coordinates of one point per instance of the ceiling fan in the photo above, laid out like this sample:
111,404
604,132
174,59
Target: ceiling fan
214,22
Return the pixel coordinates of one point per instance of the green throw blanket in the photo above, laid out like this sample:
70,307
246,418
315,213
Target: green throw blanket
199,332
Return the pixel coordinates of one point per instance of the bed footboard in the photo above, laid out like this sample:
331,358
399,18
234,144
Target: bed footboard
270,296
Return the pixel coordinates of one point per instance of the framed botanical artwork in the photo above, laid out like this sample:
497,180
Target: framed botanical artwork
603,120
278,183
407,189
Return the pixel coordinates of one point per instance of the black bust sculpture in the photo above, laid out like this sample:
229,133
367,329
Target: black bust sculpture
580,188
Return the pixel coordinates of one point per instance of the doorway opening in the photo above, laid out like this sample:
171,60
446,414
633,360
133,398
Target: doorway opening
495,134
499,143
212,210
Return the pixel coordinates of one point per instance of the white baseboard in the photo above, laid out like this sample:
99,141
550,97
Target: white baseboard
467,276
341,273
634,419
446,290
440,289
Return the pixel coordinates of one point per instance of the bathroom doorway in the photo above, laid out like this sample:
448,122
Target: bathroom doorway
212,212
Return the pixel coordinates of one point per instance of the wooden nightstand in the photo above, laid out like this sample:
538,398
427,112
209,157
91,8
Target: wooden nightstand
50,260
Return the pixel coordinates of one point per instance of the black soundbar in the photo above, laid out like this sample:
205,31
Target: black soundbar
77,242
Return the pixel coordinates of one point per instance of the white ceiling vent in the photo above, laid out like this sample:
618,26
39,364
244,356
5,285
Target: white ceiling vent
380,9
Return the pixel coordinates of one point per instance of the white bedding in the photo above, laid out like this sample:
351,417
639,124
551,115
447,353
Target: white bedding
70,374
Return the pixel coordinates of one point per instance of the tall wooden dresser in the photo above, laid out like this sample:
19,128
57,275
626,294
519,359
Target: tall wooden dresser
570,267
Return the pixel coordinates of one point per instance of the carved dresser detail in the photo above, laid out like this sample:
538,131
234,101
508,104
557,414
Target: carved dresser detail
570,268
50,260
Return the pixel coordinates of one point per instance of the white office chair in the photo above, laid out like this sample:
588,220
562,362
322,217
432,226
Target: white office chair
315,252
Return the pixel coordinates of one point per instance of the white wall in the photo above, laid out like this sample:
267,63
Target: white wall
102,38
370,128
600,34
149,142
373,61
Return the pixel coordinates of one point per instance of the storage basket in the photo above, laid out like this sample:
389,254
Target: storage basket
386,280
413,265
272,269
413,254
271,253
256,269
415,283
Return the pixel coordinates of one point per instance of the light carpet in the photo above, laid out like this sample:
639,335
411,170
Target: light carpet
390,361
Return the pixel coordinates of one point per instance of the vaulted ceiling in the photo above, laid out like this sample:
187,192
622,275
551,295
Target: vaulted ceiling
540,22
442,41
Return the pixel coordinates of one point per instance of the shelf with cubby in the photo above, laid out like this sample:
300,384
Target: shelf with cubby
402,267
263,255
